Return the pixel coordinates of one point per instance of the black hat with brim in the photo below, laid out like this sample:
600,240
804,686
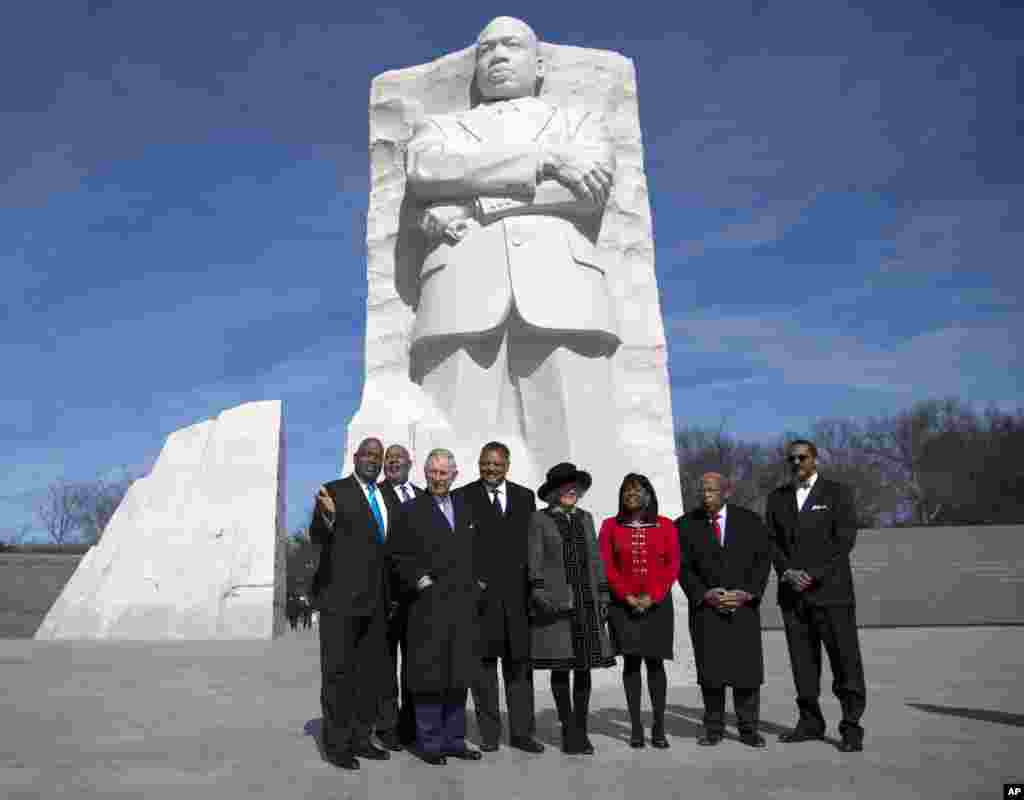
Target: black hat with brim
561,474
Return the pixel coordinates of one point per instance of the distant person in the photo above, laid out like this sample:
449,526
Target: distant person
306,611
569,599
502,510
291,610
640,551
350,524
432,550
396,723
725,558
814,526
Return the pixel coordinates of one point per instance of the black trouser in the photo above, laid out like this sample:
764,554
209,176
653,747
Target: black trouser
352,653
747,703
657,686
518,677
390,716
573,706
808,628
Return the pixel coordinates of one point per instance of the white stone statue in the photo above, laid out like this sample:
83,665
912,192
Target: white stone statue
512,292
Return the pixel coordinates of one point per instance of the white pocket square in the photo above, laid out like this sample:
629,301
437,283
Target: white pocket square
819,508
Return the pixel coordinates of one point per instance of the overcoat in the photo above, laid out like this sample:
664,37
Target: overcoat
500,560
727,648
817,538
551,596
441,634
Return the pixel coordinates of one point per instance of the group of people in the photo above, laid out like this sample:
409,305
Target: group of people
422,591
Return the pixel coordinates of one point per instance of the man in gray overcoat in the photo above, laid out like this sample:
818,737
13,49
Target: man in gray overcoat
725,558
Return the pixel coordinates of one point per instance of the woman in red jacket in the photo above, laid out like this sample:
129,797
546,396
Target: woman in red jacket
640,551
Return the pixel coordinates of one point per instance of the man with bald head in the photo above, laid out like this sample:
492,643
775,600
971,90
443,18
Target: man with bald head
514,323
725,558
350,525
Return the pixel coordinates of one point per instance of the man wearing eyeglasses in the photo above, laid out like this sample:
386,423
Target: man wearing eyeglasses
813,527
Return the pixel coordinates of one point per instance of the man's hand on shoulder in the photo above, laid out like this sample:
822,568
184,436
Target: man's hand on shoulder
424,582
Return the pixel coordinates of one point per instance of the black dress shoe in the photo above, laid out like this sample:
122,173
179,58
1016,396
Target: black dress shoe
586,746
465,754
526,744
371,751
489,747
637,741
709,739
437,759
390,740
851,745
659,741
342,760
753,740
798,735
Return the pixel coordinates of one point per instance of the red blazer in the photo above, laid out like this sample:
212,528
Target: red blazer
662,556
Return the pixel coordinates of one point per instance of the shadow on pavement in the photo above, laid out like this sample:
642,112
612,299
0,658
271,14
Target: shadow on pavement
1001,717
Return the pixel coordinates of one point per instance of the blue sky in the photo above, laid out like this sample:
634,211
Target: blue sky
837,194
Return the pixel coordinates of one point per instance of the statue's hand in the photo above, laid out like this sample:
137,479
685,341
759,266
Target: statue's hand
448,223
588,179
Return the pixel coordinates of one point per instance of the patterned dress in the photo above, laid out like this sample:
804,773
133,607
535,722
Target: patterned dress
585,617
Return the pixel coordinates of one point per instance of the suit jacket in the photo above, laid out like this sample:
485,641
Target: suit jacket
441,637
501,564
351,576
487,163
727,649
817,539
662,559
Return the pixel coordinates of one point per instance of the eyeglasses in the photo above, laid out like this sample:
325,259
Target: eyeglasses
797,458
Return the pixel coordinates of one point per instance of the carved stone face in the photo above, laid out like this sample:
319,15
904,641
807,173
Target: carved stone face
507,62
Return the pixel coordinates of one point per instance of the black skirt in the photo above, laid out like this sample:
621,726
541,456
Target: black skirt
649,634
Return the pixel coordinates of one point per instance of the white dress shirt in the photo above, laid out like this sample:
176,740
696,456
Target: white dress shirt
502,490
721,522
803,490
408,488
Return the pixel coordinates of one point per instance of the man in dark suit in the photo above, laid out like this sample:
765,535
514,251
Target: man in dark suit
350,525
813,527
725,558
396,725
432,550
502,512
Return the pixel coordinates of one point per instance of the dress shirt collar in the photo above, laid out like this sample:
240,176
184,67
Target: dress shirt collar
501,488
809,483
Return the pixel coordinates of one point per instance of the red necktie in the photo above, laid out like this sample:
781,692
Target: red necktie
718,531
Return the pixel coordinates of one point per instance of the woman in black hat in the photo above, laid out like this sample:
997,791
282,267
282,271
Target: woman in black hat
569,599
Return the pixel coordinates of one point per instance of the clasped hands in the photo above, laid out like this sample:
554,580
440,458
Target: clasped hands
799,579
726,602
639,603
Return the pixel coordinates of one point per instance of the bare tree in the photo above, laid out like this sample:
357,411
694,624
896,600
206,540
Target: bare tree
12,537
99,500
59,510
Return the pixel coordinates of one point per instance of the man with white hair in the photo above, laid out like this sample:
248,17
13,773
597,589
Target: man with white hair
431,550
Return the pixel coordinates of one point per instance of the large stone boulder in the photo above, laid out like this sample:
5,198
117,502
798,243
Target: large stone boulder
197,548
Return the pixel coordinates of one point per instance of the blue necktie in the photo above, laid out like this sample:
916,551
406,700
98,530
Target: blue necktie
371,489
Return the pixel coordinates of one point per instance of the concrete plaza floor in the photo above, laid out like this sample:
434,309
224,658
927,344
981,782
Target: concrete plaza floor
945,719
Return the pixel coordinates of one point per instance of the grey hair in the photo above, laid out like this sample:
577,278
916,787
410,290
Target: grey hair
441,452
